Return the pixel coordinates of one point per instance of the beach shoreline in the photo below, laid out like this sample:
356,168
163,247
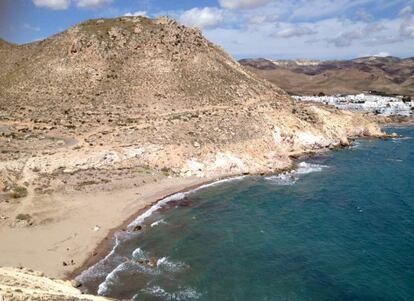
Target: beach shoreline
66,240
104,247
75,230
107,244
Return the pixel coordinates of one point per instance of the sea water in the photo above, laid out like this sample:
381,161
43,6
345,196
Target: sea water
339,227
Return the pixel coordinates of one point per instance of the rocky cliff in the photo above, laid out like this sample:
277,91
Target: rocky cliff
24,284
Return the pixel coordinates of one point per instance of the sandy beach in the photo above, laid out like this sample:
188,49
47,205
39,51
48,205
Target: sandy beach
73,225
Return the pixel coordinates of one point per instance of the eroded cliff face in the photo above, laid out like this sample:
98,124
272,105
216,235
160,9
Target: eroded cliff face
20,284
127,92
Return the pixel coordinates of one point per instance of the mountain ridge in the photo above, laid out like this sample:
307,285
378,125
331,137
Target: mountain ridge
390,75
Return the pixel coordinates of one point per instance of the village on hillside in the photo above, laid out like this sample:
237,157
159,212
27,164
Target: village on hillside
376,104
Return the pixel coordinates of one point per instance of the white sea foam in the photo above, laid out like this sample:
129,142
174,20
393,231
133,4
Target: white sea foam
291,177
283,179
395,160
305,168
184,294
355,144
218,182
400,139
162,264
140,219
159,222
139,254
111,278
175,197
98,269
132,265
170,266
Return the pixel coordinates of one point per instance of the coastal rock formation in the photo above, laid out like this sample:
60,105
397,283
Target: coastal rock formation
20,284
389,75
119,103
150,92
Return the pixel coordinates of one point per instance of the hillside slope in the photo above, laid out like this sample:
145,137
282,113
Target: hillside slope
383,74
183,103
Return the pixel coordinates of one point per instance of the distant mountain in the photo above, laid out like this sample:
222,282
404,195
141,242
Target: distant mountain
390,75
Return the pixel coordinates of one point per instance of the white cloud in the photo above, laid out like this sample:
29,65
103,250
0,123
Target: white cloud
406,11
30,27
262,19
382,54
379,54
268,44
142,13
407,29
64,4
316,9
294,31
364,15
92,3
317,29
346,38
207,17
235,4
52,4
407,24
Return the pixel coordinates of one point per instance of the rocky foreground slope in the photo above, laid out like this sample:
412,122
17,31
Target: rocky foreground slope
111,100
22,284
390,75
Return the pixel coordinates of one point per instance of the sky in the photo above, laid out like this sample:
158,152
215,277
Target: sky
281,29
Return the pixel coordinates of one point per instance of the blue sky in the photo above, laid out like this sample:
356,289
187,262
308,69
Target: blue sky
281,29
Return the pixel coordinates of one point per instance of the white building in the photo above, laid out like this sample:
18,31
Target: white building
381,105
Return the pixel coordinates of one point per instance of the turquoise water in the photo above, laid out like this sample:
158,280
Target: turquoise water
339,228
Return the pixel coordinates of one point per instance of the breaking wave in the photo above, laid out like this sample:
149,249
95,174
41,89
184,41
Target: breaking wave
140,263
113,265
159,222
176,197
157,291
291,177
170,266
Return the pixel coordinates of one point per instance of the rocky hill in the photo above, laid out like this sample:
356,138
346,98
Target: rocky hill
131,61
389,75
120,93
